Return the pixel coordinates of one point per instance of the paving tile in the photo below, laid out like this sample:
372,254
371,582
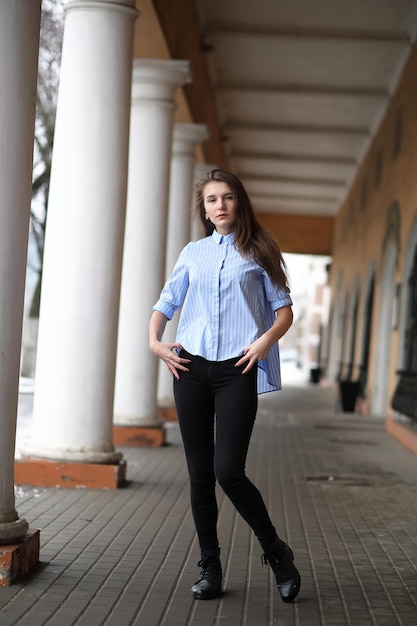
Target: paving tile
338,488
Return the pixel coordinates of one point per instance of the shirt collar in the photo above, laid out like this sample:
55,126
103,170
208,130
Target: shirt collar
218,238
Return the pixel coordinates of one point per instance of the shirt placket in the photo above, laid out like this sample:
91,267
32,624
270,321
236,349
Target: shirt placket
223,249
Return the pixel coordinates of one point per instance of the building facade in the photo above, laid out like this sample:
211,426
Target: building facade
136,97
373,279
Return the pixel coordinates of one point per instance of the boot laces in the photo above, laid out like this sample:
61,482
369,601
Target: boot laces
278,557
208,564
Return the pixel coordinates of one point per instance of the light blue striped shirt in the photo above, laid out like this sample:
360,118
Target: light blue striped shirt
227,302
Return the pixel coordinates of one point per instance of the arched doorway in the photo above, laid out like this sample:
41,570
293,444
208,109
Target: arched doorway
336,334
341,346
405,397
379,400
366,335
352,335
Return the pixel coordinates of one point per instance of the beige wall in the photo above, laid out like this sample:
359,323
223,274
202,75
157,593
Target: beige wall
300,234
384,189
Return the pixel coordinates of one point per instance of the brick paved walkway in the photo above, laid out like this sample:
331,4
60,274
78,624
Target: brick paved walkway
341,491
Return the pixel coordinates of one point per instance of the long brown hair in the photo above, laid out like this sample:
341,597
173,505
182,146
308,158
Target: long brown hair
251,239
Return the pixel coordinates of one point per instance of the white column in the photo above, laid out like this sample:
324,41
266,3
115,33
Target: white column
154,85
73,406
186,137
19,48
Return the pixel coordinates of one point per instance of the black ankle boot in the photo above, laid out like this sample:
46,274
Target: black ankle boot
280,557
209,585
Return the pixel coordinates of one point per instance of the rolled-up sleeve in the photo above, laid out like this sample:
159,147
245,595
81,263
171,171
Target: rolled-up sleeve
175,289
277,297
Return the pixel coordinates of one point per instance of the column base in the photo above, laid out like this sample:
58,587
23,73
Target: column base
167,413
17,559
138,436
46,473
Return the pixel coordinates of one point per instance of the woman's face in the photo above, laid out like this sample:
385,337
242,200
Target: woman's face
220,206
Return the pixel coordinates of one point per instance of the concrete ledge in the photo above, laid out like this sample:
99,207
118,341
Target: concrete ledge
44,473
404,434
139,436
167,413
16,560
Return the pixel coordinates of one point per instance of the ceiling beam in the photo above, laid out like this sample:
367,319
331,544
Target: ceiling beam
181,28
300,234
384,36
331,201
297,128
301,180
297,89
283,156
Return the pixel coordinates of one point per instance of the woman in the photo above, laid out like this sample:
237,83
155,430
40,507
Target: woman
235,301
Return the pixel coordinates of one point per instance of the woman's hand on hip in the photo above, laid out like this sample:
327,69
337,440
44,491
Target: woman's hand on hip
259,349
253,353
167,352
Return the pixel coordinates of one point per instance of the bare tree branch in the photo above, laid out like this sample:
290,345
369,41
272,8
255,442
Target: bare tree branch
52,25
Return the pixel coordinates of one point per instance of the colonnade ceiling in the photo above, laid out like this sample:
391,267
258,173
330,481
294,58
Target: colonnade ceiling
292,92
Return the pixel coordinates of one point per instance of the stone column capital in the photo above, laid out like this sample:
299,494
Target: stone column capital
119,5
186,136
157,79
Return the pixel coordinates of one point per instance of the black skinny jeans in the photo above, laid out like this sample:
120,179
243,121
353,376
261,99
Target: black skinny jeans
216,407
